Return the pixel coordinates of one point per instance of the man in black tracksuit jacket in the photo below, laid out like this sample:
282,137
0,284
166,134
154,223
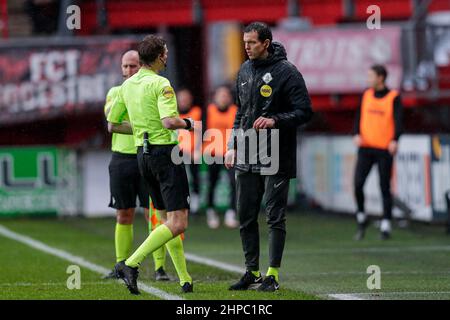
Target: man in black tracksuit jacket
271,94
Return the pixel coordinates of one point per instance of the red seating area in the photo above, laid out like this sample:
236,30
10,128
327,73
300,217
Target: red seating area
444,77
392,9
245,11
322,12
140,14
135,14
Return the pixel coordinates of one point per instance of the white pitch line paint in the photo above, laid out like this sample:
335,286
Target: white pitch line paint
351,273
344,296
205,261
412,292
80,261
360,295
353,250
236,269
54,284
214,263
412,249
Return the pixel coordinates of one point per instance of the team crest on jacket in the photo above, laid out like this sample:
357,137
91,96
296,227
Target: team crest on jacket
266,91
267,77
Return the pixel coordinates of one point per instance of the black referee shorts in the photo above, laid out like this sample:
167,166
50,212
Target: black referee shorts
126,183
166,181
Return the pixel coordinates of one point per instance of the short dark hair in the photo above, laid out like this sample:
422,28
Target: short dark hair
150,48
262,29
380,70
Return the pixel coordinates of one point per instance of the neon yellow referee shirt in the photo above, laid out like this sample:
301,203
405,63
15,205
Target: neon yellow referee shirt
147,98
123,143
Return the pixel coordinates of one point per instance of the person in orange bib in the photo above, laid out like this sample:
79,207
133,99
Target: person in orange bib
220,116
377,129
191,144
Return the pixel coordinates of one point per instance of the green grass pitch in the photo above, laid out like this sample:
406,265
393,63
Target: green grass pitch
320,260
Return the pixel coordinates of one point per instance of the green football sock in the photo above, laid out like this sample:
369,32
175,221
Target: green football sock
176,251
159,258
256,273
123,240
159,255
156,239
273,272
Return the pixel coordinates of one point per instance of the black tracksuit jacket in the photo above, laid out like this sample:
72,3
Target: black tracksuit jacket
288,104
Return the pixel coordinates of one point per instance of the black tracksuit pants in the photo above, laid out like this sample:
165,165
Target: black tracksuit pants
367,157
250,188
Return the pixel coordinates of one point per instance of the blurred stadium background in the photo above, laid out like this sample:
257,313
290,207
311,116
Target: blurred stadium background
54,150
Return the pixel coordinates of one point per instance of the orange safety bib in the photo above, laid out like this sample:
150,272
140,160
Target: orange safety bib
186,138
223,122
377,126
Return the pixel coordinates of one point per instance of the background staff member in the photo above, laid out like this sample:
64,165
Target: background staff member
220,116
151,105
188,144
377,129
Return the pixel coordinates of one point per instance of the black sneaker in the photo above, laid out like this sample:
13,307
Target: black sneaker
248,281
385,235
161,275
361,232
187,287
129,275
269,284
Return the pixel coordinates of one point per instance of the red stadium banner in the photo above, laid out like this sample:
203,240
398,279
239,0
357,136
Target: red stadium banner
48,78
4,18
337,60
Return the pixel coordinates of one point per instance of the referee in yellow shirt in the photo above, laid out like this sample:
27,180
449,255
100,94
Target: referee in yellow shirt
150,102
126,183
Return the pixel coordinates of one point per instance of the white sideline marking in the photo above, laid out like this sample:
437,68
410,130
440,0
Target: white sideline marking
214,263
338,296
53,284
353,250
344,296
357,296
78,261
240,270
349,273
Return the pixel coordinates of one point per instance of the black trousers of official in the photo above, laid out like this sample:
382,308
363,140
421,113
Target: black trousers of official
250,189
367,157
214,175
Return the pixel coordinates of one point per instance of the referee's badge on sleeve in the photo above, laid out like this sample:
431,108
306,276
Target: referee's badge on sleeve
168,92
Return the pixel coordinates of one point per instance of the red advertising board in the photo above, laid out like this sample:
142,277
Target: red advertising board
50,77
336,60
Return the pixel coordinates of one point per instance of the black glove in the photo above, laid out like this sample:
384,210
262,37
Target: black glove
189,124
